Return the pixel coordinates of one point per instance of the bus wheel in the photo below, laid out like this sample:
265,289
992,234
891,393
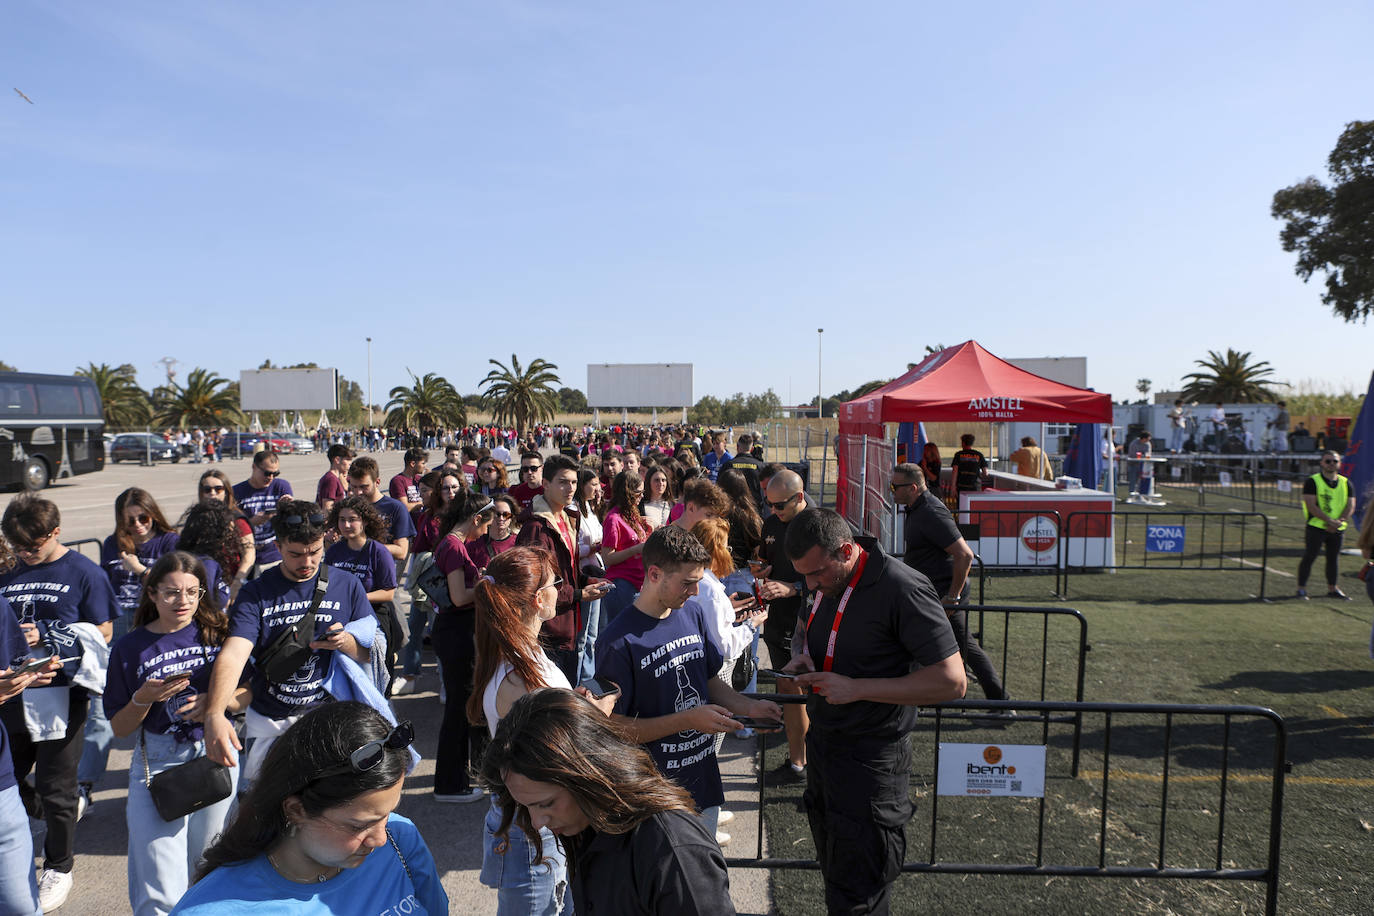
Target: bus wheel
35,475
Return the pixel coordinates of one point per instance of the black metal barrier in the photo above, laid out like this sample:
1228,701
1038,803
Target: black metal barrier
77,545
1269,479
1122,867
995,527
1168,545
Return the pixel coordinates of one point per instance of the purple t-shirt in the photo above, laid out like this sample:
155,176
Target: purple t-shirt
70,588
272,602
453,554
662,666
374,565
13,648
128,587
397,518
253,501
141,654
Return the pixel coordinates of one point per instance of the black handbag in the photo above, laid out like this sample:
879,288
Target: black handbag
186,787
434,584
286,653
743,671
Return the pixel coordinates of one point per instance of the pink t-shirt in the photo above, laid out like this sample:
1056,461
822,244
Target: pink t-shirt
617,534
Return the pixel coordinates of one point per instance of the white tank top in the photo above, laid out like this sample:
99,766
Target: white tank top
553,677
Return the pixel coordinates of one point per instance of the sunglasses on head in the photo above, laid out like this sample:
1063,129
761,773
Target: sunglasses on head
370,754
295,520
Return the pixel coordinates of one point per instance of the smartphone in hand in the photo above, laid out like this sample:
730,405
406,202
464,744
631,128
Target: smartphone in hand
760,724
600,688
775,673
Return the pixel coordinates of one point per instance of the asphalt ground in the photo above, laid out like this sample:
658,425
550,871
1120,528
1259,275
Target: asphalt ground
453,832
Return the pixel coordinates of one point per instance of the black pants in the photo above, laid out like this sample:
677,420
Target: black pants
1316,539
54,764
975,657
453,645
858,802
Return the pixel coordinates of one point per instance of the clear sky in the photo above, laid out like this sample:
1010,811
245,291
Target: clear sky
585,181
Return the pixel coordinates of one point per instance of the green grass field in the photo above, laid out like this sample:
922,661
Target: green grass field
1165,635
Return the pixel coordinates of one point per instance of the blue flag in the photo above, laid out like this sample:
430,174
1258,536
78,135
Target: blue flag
1084,457
911,441
1358,463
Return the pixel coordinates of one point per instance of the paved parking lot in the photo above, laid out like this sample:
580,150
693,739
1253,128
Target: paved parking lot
453,832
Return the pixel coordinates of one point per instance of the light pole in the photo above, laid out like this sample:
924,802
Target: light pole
369,381
820,397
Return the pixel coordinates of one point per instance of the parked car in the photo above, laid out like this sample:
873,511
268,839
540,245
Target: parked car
142,446
245,444
300,445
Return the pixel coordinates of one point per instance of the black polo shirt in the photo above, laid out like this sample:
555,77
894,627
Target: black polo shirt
668,864
894,624
782,612
930,530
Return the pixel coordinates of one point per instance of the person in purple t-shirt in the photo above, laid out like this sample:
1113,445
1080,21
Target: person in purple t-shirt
51,583
141,535
363,480
258,497
155,688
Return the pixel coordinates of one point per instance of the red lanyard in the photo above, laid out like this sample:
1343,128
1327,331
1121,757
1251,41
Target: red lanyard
839,613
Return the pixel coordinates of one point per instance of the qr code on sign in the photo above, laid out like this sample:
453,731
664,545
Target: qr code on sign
1016,785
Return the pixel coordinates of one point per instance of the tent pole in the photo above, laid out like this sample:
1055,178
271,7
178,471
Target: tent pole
1040,468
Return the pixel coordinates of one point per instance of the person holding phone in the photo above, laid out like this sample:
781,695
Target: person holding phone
155,688
633,837
516,595
260,497
344,622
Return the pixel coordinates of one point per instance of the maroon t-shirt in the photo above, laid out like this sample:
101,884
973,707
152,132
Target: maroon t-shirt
330,487
452,554
525,494
404,488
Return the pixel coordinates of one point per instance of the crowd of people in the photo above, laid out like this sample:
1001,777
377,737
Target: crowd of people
597,627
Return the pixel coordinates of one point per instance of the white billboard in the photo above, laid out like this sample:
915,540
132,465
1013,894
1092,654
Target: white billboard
639,385
289,389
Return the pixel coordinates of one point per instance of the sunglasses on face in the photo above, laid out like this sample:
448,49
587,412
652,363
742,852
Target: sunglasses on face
778,507
36,545
269,474
530,468
503,515
140,519
212,489
370,754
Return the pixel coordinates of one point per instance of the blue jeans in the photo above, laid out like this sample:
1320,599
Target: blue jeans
586,641
621,596
18,886
162,854
522,887
416,625
95,750
1176,437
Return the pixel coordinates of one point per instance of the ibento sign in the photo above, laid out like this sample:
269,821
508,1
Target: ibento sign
995,408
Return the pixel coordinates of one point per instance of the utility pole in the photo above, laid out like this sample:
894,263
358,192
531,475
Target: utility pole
820,395
168,364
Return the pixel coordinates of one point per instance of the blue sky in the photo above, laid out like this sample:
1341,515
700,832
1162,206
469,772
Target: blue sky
641,182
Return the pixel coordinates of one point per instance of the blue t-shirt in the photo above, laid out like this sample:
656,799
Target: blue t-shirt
662,667
215,576
128,587
397,516
374,565
253,501
271,603
13,648
378,885
141,654
70,588
713,463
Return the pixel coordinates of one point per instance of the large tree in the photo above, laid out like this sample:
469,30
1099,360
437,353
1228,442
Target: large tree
521,397
1231,379
432,401
205,400
1332,227
124,403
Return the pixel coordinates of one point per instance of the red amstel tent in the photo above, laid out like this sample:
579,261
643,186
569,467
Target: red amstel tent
966,383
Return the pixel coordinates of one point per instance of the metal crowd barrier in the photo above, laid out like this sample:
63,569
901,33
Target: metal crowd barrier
1161,540
1000,541
1274,480
1122,865
79,544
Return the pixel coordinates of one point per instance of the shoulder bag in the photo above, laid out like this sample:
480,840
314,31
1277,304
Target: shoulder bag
186,787
286,653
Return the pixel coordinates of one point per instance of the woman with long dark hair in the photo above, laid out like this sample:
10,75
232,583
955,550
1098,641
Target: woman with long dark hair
624,532
590,509
633,839
208,532
318,832
466,519
500,537
448,482
158,676
657,504
746,529
214,486
491,477
141,535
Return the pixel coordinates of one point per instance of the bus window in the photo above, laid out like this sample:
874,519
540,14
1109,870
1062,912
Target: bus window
90,401
17,400
59,399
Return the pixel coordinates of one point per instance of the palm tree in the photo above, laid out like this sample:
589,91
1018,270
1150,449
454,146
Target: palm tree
205,400
124,403
431,401
522,397
1229,379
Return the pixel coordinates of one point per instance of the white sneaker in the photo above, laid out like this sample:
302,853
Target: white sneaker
725,817
722,838
402,685
83,801
53,888
460,798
